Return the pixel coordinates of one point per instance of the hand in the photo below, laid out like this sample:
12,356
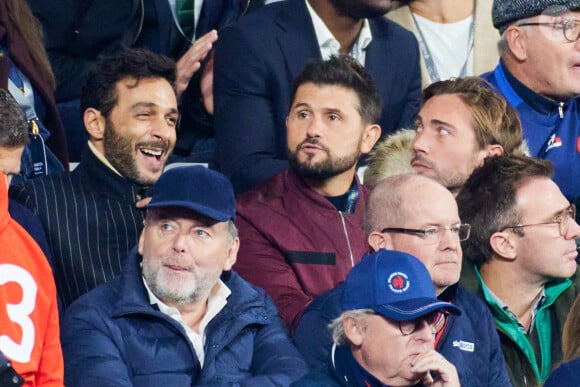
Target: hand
190,62
445,374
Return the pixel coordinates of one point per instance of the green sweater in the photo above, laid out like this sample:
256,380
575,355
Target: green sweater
529,357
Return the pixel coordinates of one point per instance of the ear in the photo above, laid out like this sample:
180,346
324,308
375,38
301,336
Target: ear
504,244
378,240
371,135
95,124
489,151
232,254
141,240
516,39
353,331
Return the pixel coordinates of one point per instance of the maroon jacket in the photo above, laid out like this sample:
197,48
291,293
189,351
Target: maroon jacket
295,244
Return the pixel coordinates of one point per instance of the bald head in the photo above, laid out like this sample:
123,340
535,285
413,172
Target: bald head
415,202
393,197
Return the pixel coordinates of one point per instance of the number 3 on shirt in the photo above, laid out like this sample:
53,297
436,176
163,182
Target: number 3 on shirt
19,313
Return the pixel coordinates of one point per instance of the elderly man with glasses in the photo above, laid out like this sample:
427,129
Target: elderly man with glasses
522,255
539,75
386,332
417,215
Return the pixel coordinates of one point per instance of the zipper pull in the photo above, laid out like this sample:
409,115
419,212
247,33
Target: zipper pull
34,127
561,109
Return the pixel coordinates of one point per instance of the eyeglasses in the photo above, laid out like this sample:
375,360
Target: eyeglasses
570,28
435,320
562,220
434,234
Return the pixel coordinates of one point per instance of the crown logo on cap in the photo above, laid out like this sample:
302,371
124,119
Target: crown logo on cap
398,282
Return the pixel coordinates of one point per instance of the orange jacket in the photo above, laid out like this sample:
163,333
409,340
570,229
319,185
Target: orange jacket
29,327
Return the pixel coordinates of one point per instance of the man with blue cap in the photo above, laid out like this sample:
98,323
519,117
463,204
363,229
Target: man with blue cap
386,332
178,315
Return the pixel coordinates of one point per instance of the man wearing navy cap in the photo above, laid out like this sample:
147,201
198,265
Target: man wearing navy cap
385,334
178,315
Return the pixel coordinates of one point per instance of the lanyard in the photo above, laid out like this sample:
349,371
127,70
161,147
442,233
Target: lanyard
428,57
352,199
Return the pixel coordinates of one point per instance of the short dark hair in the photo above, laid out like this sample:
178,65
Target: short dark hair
99,90
13,126
487,200
495,121
346,72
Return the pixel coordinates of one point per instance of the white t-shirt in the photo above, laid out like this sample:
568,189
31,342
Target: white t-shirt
449,44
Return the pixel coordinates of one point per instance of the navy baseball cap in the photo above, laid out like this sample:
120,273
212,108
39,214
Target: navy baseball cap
198,188
396,285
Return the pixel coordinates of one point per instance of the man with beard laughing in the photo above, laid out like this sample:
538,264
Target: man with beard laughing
90,215
302,231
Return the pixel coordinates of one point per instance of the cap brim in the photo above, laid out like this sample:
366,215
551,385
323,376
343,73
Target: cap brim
209,212
412,309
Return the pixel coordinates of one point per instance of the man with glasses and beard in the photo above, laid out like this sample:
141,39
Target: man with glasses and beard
257,59
90,215
302,231
521,259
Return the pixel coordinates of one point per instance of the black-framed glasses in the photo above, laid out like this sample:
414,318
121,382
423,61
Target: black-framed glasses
570,28
435,320
562,220
433,234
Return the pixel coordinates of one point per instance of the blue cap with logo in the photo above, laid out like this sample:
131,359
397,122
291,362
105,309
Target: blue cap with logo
198,188
396,285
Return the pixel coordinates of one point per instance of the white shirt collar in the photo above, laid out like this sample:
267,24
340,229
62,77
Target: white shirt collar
216,301
328,44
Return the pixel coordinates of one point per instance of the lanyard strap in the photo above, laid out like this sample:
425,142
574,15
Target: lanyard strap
352,199
428,57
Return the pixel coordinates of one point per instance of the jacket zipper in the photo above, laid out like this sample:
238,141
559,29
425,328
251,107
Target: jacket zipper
347,238
561,109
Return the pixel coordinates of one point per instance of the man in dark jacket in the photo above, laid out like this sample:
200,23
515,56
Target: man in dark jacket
521,259
385,334
539,75
178,315
416,215
302,230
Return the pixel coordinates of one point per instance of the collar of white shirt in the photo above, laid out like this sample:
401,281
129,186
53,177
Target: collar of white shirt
330,46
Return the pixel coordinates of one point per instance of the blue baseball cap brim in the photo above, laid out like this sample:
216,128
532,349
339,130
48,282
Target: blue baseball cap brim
412,309
206,211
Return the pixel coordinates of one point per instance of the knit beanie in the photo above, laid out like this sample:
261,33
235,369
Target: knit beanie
507,12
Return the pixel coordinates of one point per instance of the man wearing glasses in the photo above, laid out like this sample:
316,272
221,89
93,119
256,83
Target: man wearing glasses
385,334
417,215
522,255
539,75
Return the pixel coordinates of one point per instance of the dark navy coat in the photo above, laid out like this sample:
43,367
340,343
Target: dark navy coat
113,336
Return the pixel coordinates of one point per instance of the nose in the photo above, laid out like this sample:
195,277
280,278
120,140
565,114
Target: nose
315,127
179,242
425,331
449,240
163,129
420,142
573,230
